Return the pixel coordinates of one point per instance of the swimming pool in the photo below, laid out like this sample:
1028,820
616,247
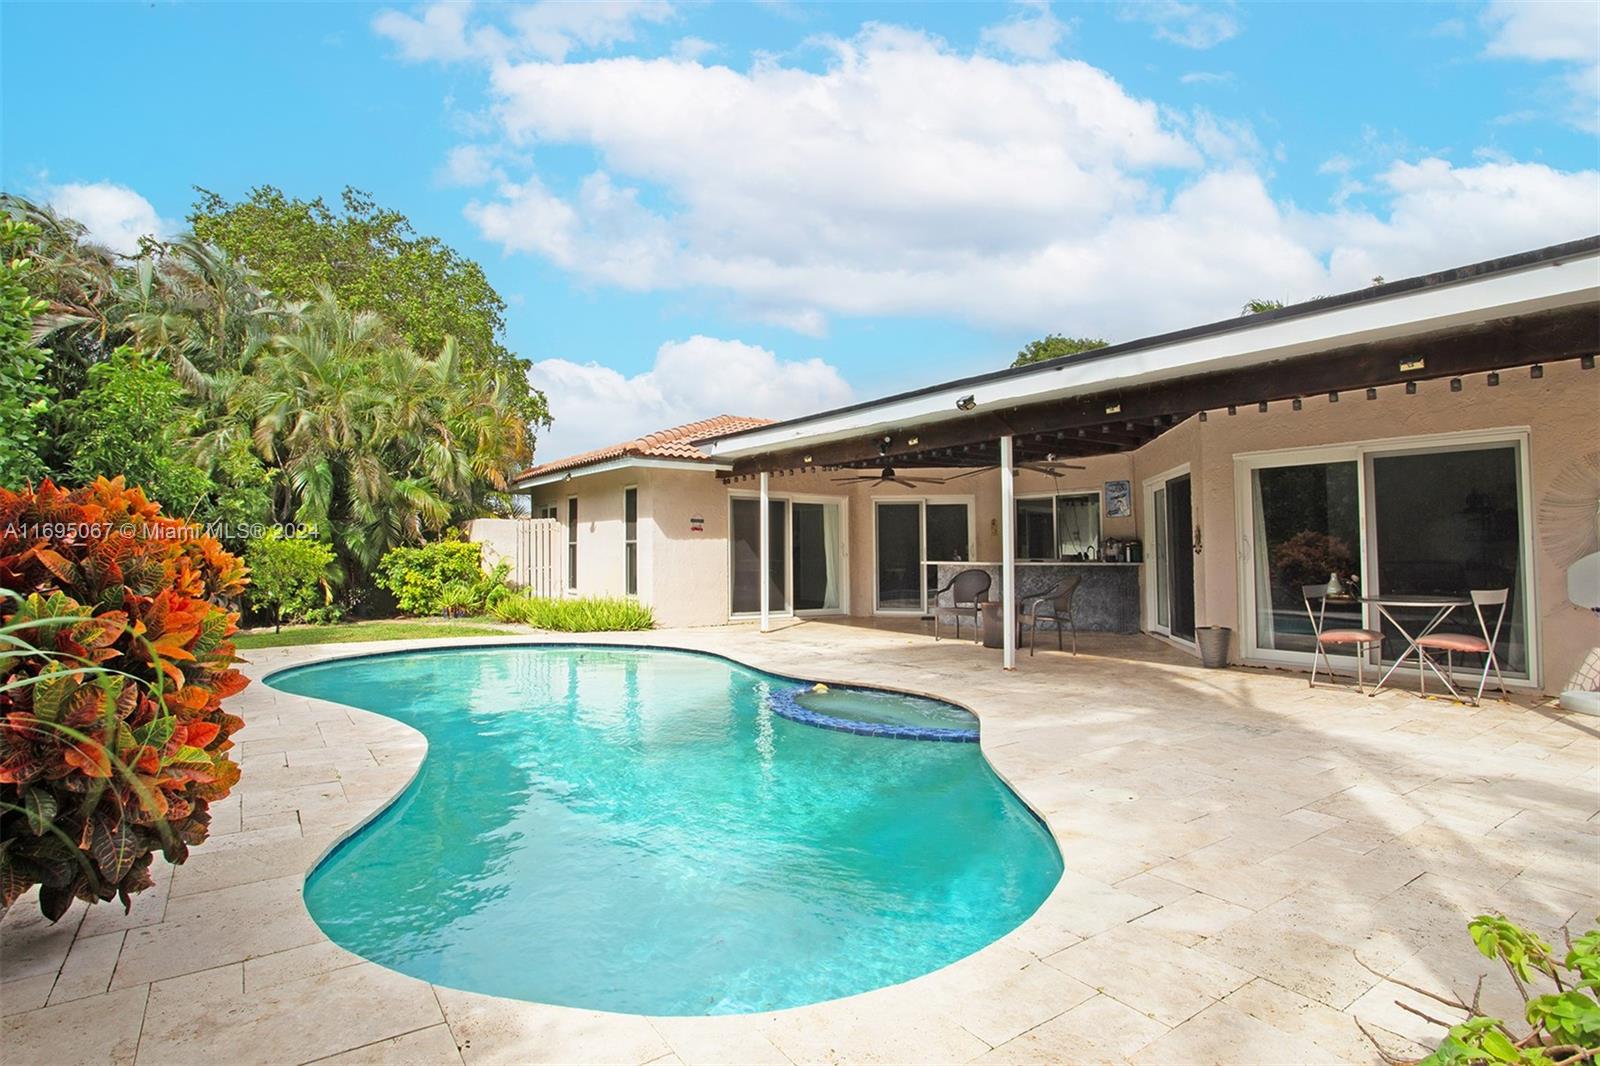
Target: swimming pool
635,830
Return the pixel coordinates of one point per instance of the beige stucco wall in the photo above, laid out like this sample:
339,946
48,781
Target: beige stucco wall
684,574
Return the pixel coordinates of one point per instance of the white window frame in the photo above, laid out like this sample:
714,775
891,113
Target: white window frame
789,499
1362,453
1151,557
634,543
1055,518
922,543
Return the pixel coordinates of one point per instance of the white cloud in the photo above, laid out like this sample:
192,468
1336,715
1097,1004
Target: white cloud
903,178
114,215
550,29
1199,25
1207,77
1530,29
1566,32
690,380
468,165
693,49
1442,215
1033,32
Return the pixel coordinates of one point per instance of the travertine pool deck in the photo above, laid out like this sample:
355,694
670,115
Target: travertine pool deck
1242,852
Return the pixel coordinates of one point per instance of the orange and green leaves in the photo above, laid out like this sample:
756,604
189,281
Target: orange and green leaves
114,662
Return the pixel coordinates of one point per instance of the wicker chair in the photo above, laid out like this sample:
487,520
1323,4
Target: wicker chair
968,591
1054,607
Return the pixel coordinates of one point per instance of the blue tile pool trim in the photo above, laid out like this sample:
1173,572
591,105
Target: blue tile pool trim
786,704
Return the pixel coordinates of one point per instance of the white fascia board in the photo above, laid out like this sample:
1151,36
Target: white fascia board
626,462
1539,287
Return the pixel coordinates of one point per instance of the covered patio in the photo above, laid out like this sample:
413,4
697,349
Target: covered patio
1360,400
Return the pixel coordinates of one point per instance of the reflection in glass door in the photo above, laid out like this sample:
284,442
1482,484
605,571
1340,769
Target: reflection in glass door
1307,531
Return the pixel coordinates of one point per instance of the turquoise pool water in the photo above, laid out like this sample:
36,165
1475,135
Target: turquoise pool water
634,830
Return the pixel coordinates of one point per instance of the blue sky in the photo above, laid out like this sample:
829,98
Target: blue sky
767,208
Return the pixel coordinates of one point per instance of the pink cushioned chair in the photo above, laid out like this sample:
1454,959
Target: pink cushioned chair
1360,639
1472,644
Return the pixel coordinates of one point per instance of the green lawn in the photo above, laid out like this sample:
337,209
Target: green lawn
398,629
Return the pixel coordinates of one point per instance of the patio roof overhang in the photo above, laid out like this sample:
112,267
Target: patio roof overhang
1541,306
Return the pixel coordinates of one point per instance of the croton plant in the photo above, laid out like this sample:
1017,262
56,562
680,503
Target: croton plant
114,662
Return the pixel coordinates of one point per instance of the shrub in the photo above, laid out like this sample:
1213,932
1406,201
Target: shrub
588,614
445,577
114,662
1563,1026
286,573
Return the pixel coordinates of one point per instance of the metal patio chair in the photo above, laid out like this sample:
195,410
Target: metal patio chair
968,591
1360,639
1055,607
1471,644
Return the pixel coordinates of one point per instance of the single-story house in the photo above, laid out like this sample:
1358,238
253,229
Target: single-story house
1427,436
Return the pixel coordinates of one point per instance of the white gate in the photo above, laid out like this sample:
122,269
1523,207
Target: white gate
533,546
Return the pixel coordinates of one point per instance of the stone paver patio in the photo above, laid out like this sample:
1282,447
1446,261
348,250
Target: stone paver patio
1244,857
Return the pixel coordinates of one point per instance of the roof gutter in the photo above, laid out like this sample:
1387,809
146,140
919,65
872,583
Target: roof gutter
625,462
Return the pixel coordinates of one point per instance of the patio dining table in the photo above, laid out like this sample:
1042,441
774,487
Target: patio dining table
1441,607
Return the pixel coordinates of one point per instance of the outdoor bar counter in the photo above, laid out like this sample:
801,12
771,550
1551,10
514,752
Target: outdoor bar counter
1107,600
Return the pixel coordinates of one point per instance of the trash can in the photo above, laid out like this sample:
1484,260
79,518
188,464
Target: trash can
1213,641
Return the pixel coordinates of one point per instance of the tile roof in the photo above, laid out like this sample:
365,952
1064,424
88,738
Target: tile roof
679,442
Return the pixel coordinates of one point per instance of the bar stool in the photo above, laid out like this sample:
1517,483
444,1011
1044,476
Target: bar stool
1469,644
1361,639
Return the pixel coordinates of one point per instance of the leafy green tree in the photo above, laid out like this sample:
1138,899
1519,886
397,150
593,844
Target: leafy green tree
1258,306
25,397
1054,346
131,420
378,445
372,260
286,573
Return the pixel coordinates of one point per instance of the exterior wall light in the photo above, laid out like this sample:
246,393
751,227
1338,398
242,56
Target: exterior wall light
967,402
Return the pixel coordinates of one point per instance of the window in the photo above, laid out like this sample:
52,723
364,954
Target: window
630,541
572,543
1428,516
1058,527
545,510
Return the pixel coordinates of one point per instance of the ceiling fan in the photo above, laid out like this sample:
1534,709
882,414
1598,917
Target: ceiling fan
888,476
1049,467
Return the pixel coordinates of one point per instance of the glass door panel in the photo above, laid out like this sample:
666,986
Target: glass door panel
745,541
1180,533
816,563
947,538
899,556
1446,523
1307,528
1163,562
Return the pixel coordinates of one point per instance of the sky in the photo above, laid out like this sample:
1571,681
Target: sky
775,208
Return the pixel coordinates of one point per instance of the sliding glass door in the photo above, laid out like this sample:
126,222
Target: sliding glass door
805,555
1439,517
1172,556
909,537
1447,522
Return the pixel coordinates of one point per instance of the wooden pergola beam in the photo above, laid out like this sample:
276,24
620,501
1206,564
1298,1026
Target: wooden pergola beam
1550,336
